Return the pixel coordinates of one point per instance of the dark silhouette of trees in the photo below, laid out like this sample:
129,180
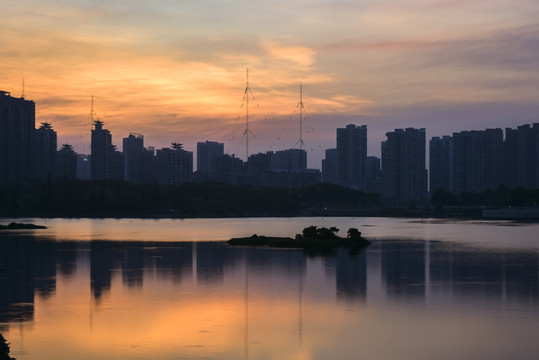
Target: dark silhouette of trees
500,197
76,198
4,349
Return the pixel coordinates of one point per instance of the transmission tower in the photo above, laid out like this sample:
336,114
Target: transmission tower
247,130
301,109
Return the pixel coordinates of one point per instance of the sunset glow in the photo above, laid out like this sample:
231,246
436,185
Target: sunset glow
175,71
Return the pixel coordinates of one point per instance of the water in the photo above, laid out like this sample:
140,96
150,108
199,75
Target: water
171,289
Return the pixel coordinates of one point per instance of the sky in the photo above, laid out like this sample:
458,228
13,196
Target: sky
175,71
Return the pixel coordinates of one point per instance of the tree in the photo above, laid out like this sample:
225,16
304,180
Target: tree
4,349
354,233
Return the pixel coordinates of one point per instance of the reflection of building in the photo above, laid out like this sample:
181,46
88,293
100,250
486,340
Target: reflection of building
350,274
403,270
27,266
17,126
102,262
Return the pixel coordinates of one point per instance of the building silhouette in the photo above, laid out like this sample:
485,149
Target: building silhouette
481,159
476,160
208,153
352,156
288,161
440,160
521,156
139,162
133,146
229,170
174,165
284,168
17,126
374,181
403,164
329,166
84,168
45,147
66,162
107,163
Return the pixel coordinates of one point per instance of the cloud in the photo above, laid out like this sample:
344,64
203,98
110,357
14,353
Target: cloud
297,55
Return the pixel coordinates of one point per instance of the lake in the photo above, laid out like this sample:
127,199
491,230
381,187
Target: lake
172,289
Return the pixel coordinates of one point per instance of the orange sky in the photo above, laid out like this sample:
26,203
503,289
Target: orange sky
175,71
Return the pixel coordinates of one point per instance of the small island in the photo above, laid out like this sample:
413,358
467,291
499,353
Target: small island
21,226
312,238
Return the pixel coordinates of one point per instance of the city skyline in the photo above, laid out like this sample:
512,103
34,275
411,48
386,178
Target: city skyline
445,66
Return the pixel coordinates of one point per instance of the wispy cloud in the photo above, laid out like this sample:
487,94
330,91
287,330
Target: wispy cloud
357,60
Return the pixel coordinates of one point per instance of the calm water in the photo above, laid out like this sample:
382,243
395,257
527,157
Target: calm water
170,289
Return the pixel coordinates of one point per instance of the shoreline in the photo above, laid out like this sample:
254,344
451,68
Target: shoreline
502,216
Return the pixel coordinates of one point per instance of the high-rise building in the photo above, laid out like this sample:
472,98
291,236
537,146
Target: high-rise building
229,169
329,167
440,160
174,165
139,162
467,161
66,162
84,168
352,156
17,126
290,160
45,146
403,164
207,154
101,152
374,181
373,170
521,156
107,163
117,165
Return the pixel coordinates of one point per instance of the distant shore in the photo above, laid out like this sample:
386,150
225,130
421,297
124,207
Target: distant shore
116,199
521,214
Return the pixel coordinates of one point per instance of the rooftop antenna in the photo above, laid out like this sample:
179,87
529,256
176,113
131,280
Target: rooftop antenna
23,96
92,118
92,112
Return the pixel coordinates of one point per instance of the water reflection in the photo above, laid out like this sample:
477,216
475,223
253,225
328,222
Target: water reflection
260,292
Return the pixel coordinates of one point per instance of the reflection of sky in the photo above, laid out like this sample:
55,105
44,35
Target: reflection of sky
504,234
114,300
176,70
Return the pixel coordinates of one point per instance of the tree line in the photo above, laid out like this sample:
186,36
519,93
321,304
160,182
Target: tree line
77,198
500,197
